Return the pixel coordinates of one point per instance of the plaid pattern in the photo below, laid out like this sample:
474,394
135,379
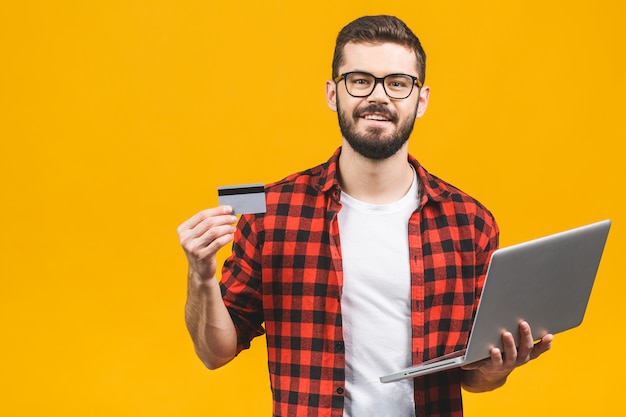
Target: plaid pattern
285,273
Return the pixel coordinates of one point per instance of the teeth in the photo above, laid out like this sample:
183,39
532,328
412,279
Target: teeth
375,117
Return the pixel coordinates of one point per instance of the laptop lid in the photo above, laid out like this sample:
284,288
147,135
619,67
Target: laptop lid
546,281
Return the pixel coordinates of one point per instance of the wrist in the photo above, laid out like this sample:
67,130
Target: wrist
476,380
198,282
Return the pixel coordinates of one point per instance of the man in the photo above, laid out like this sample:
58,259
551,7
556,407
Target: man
361,266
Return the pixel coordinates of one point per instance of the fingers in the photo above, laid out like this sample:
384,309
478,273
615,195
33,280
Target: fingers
502,362
516,355
207,231
497,359
509,349
526,342
203,215
201,237
543,346
528,349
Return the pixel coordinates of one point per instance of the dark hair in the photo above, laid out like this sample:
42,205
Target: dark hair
379,29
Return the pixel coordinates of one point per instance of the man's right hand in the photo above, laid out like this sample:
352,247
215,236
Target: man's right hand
202,236
208,321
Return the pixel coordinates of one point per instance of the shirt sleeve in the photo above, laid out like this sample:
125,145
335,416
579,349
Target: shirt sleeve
241,282
487,241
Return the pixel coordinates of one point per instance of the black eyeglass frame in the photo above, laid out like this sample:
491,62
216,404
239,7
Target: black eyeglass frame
381,80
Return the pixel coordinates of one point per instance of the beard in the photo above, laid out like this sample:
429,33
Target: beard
373,143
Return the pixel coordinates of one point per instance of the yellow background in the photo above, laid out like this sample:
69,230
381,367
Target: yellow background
118,120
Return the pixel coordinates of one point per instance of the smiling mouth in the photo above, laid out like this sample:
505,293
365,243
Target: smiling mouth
375,113
377,117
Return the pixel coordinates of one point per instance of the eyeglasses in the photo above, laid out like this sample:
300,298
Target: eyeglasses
362,84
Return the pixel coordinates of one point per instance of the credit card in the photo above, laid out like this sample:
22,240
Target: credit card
244,199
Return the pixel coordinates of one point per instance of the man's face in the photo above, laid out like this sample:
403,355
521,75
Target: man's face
377,126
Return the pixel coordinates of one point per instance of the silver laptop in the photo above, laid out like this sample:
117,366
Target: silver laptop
546,281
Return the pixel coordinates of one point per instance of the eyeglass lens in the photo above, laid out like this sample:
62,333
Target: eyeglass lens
361,84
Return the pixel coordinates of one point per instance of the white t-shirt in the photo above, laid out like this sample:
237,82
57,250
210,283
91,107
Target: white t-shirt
376,304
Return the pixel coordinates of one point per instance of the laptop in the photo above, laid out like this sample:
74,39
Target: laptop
546,282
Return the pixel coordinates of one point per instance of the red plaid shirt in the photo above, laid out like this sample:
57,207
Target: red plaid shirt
285,272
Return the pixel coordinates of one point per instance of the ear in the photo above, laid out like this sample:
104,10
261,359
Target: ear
422,101
331,95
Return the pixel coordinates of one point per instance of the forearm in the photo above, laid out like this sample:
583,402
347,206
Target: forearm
476,381
209,323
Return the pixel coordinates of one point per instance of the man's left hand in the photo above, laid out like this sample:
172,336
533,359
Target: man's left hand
492,372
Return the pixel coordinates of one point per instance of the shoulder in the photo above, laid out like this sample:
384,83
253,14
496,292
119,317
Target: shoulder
468,207
309,177
313,181
453,194
299,194
455,205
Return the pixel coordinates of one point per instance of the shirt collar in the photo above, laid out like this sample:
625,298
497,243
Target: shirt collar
431,187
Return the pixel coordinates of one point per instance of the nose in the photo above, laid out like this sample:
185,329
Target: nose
378,94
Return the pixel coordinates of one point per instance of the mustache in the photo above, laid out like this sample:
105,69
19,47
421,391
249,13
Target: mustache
375,108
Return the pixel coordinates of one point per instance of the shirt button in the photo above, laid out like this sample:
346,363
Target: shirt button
339,390
339,347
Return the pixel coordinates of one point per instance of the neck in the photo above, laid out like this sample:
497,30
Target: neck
375,181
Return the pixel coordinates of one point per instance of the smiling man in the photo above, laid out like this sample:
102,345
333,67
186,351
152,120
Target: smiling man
361,266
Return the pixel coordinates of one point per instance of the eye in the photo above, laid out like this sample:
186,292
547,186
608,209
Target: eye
399,82
360,80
